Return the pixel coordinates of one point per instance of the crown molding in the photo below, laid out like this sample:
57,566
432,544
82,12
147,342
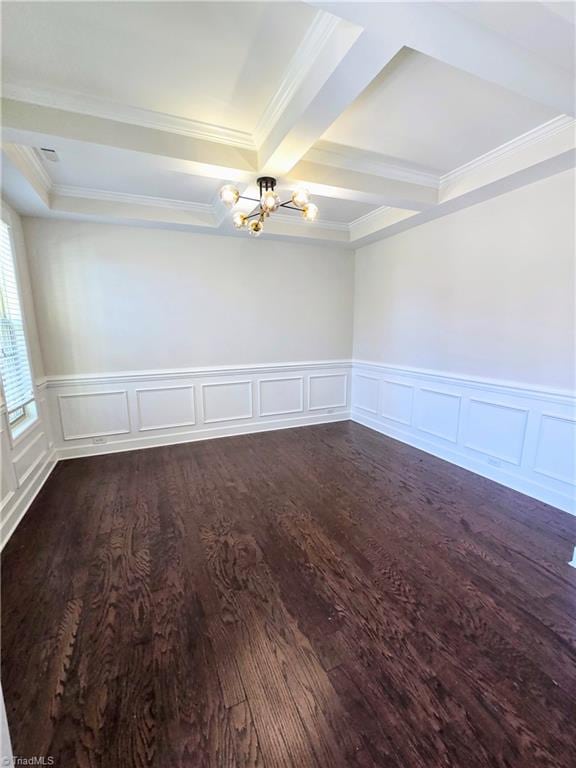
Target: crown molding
354,159
35,161
27,157
286,218
301,63
528,139
71,101
368,217
124,197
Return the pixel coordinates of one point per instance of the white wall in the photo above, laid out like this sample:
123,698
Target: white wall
487,291
112,298
464,339
25,461
153,336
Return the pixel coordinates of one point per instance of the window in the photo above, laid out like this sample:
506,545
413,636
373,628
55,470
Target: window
14,363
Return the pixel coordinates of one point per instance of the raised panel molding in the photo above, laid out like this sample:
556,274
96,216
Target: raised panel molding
366,392
438,413
327,390
165,407
280,396
521,437
29,458
556,448
397,401
169,406
496,430
226,401
93,414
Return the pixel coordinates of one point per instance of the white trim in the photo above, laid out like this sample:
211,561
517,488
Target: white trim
327,376
507,458
204,387
373,163
301,63
506,407
388,416
85,104
87,193
164,389
563,396
366,376
441,393
12,513
280,413
92,435
543,416
451,454
27,156
207,433
367,217
530,138
292,218
161,374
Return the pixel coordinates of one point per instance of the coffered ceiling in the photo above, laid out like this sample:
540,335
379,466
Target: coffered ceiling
390,113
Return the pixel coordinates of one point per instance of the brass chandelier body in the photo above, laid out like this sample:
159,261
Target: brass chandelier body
268,202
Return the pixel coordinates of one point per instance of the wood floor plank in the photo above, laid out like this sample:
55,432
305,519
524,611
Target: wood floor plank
315,598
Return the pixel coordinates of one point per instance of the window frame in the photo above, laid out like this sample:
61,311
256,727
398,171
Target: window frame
18,429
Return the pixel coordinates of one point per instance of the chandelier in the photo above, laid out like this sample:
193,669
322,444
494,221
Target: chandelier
268,202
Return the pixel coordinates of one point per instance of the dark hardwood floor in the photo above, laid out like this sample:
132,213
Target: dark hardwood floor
322,597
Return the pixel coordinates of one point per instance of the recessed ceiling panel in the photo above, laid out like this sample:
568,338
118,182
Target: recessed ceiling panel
213,62
95,167
423,111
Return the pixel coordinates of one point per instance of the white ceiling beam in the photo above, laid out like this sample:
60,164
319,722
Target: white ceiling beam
542,170
437,30
346,184
33,124
352,59
122,209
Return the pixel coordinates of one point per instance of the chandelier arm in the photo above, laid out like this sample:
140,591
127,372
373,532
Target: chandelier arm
251,216
253,199
290,207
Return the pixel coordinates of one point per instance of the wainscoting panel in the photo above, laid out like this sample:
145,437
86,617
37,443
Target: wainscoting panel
227,401
521,437
29,457
328,390
496,430
94,414
438,413
556,448
397,400
25,462
366,392
165,407
123,411
280,396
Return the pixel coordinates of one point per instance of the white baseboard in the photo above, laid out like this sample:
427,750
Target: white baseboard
497,474
206,433
521,437
17,504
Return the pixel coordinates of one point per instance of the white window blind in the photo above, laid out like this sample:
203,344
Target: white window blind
14,364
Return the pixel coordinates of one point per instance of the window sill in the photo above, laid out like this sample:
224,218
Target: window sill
23,428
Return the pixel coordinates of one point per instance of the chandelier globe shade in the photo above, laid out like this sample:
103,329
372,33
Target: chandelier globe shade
267,203
229,195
